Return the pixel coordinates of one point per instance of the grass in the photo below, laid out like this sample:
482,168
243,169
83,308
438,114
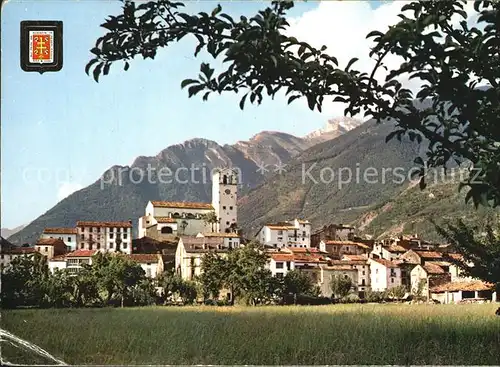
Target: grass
337,334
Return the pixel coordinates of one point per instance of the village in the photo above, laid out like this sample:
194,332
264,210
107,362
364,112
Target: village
174,237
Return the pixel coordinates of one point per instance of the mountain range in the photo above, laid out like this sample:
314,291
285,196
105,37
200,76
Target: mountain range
283,177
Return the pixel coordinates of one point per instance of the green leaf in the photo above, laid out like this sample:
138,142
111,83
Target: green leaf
242,102
106,68
374,34
89,64
349,64
293,98
97,72
186,82
217,10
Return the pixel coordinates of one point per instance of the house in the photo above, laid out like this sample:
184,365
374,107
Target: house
417,257
107,236
359,262
9,252
457,274
344,269
72,261
426,277
147,245
296,233
333,232
189,253
230,240
290,258
455,292
165,220
51,247
384,274
152,264
68,235
388,251
336,249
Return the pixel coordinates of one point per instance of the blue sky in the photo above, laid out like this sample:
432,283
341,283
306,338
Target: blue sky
63,130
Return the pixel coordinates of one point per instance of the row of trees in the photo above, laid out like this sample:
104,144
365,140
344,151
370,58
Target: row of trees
117,280
110,280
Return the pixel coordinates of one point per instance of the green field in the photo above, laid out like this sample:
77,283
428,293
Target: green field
337,334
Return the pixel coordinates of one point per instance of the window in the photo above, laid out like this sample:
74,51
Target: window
392,280
82,236
98,229
227,191
69,239
280,238
111,236
363,272
81,245
166,230
46,249
279,275
280,233
111,245
376,271
230,208
124,236
98,246
1,256
227,223
230,243
362,282
124,245
279,265
303,233
224,207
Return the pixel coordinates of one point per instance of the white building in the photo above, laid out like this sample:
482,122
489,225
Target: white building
165,220
107,236
229,240
72,261
384,274
224,199
296,233
68,235
152,264
189,253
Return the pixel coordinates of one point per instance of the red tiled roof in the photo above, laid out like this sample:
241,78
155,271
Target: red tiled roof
387,263
165,220
312,250
475,285
104,224
144,258
346,243
50,242
455,256
429,254
282,257
348,262
82,253
60,231
181,204
356,257
431,268
395,248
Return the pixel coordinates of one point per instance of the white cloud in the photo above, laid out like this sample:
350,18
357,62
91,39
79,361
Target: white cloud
342,26
66,189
